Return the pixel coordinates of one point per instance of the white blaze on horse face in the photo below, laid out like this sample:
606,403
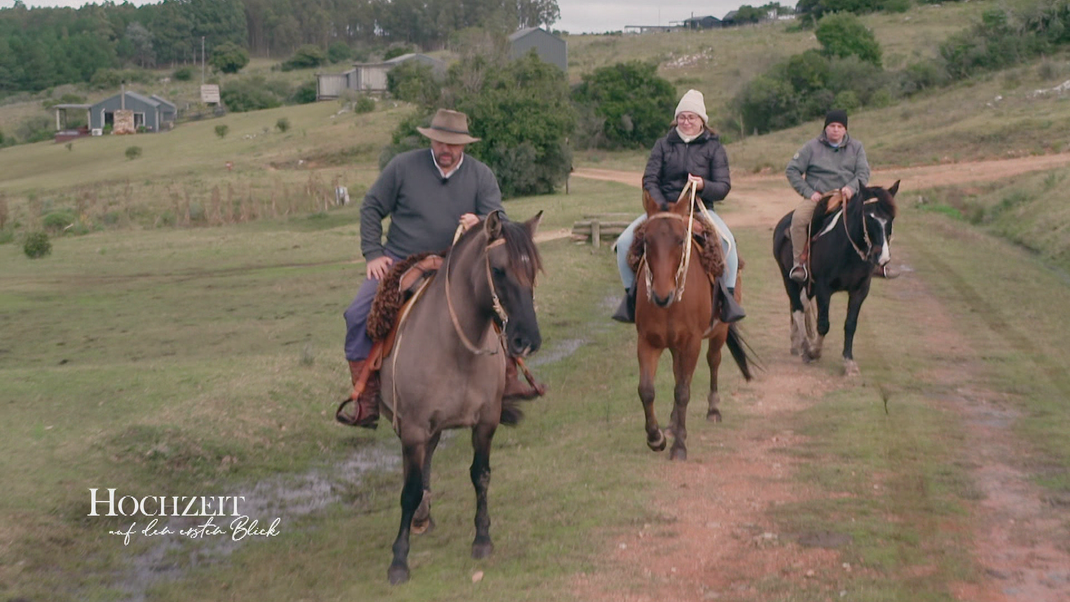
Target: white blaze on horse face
886,248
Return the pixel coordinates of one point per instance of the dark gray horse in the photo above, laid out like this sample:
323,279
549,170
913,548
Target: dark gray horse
447,367
845,247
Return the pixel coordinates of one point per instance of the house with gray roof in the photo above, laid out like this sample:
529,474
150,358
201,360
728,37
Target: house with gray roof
548,47
152,113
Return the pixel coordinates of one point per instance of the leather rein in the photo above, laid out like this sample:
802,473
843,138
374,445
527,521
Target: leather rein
498,309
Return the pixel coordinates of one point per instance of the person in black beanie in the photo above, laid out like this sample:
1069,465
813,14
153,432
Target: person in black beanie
832,162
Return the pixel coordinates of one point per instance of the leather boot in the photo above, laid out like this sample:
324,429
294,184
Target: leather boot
731,310
367,405
514,389
626,311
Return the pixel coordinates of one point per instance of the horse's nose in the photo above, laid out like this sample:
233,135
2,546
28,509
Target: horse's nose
663,301
523,346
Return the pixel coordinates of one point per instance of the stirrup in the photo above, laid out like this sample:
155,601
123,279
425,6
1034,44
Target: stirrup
371,421
798,273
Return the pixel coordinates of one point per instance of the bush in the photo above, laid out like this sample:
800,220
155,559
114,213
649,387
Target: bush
414,82
396,51
283,124
339,51
635,102
843,35
364,104
305,93
305,57
58,221
252,94
183,74
228,57
37,245
520,109
107,79
133,152
222,130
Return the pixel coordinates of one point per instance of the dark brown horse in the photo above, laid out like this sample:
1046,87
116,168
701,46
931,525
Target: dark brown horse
447,367
673,310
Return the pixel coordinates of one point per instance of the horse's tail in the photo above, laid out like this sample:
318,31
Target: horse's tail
741,352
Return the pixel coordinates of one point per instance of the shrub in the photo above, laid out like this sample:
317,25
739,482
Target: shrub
57,221
339,51
635,102
396,51
305,93
843,35
37,245
414,82
228,57
520,109
283,124
222,130
252,94
305,57
133,152
364,104
183,74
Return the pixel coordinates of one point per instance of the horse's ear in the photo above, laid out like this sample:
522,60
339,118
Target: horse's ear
680,207
533,224
649,204
493,225
894,189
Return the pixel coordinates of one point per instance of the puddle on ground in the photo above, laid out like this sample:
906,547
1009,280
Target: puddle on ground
289,497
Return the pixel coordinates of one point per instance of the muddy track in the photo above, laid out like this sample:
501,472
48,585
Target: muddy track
716,538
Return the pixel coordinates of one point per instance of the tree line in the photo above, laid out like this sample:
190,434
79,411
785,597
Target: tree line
45,47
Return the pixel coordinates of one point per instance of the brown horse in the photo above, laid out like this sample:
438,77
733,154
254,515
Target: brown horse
673,310
447,367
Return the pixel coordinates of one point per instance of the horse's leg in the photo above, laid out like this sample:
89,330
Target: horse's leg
422,521
797,311
482,434
683,367
854,305
713,359
411,494
648,369
822,298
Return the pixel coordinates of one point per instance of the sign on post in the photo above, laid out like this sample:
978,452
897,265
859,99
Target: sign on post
210,94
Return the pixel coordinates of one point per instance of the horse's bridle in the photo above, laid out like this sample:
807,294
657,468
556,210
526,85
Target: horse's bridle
496,302
681,271
863,255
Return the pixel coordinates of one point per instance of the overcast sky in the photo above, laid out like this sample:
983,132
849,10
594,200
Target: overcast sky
577,16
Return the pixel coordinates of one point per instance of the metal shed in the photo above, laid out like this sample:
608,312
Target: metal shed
370,77
548,47
151,112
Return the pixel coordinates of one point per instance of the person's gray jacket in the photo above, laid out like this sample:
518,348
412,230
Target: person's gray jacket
672,160
819,167
424,208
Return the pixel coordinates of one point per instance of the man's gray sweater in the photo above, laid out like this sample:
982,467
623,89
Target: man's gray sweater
424,207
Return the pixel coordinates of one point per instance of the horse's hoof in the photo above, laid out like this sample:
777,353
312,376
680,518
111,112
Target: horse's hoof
658,444
678,453
481,550
713,416
850,368
421,526
397,573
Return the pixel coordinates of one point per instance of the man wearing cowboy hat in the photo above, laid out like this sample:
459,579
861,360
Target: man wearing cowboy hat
426,193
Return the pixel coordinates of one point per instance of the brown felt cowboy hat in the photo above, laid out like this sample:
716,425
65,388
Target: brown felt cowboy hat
448,127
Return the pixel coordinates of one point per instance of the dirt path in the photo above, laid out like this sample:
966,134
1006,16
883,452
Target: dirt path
717,539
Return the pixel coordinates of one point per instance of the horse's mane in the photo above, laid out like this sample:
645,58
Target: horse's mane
519,246
710,255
